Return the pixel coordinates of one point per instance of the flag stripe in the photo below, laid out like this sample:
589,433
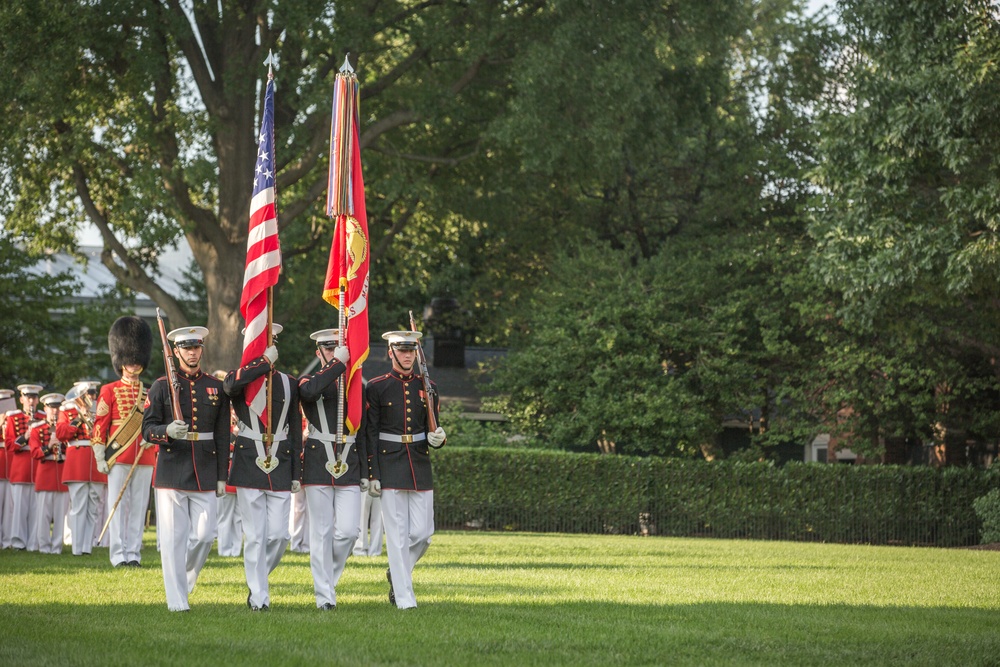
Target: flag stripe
263,263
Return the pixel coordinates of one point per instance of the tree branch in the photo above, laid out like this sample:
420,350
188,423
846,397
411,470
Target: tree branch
129,272
188,44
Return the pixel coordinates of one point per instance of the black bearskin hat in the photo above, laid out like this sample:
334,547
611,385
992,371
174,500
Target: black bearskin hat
130,341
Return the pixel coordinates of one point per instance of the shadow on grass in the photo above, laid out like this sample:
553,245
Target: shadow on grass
365,631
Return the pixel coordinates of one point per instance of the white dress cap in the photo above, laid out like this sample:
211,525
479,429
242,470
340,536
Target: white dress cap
406,340
188,336
326,337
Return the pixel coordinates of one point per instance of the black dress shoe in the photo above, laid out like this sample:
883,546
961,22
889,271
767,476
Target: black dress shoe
133,563
392,594
329,606
121,564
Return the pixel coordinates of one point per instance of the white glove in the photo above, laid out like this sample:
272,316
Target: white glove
342,354
296,486
102,465
364,486
436,437
177,430
145,445
271,354
375,488
220,488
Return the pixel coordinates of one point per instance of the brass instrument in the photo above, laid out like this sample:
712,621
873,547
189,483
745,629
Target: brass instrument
84,402
57,448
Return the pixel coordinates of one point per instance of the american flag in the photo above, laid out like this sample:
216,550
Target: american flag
263,252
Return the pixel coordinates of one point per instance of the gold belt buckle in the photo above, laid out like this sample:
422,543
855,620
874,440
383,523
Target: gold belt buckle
191,436
406,439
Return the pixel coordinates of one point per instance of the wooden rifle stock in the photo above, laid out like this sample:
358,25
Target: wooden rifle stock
430,394
170,364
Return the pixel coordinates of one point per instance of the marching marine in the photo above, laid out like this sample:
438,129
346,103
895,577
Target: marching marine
87,485
20,468
52,496
333,497
117,439
192,462
397,437
266,468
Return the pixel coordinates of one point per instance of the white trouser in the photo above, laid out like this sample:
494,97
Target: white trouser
298,523
265,528
51,519
129,520
333,531
84,513
33,519
230,528
6,511
370,542
409,523
22,527
186,523
103,507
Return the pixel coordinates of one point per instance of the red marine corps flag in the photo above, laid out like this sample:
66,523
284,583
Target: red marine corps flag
263,253
346,284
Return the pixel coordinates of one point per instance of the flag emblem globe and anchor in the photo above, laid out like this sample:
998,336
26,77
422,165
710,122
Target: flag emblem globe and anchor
346,284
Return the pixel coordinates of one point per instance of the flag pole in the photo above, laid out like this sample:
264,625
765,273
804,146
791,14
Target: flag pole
269,379
346,74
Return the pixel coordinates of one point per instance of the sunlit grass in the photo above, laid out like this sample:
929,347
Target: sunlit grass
495,598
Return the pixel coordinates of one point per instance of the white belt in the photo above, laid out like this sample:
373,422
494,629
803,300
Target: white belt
330,437
78,443
199,436
391,437
253,435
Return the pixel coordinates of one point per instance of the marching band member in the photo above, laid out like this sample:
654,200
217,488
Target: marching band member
333,503
6,503
20,468
87,485
265,470
397,438
191,465
117,439
52,496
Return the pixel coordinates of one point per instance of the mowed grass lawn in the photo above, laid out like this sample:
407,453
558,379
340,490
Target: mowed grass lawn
525,599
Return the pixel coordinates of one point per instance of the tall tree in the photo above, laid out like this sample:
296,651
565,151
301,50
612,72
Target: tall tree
142,122
909,223
687,303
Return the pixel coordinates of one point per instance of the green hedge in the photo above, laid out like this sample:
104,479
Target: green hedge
539,490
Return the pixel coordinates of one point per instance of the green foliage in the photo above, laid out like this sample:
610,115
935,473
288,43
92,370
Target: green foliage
591,493
464,432
988,510
46,337
686,300
908,219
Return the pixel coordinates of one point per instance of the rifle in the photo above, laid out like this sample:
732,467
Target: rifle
171,366
430,393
